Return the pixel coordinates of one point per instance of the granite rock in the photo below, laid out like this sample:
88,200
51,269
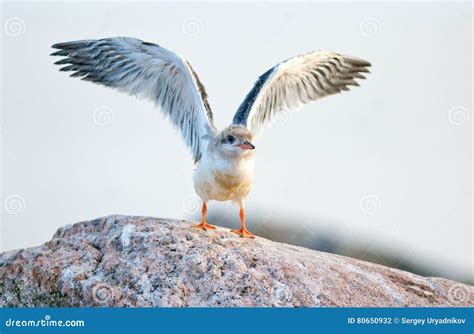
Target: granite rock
142,261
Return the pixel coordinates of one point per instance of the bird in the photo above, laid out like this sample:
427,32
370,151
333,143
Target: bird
224,159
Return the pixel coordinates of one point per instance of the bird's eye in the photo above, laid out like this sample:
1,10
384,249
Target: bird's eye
230,139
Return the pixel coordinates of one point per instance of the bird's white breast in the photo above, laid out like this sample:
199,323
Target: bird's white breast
222,179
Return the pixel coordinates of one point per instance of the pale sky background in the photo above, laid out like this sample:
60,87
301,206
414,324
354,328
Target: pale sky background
401,141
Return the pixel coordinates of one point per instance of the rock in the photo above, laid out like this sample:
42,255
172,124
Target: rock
140,261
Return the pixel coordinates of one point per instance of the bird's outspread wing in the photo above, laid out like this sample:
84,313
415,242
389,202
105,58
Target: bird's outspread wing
295,82
145,70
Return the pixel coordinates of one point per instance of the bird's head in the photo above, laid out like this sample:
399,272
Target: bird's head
235,140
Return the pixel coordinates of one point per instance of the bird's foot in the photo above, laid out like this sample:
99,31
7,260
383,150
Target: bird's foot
205,226
244,233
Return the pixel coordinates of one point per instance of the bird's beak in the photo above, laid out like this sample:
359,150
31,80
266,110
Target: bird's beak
246,145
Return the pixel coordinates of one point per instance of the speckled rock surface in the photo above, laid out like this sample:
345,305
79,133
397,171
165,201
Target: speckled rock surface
140,261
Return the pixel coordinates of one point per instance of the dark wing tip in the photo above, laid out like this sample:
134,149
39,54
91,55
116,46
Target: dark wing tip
57,46
62,61
356,61
73,44
150,44
364,63
67,68
60,53
65,45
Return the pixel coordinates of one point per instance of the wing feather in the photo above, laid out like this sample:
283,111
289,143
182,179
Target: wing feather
145,70
295,82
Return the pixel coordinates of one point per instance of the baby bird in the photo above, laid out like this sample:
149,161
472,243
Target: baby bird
225,172
224,159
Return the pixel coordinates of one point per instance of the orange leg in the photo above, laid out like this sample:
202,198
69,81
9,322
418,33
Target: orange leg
243,232
204,225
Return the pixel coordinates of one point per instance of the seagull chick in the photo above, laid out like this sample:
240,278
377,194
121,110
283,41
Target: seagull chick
224,159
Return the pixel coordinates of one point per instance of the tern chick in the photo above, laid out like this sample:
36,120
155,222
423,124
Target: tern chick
224,159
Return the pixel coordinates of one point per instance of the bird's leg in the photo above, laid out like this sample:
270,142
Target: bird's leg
243,232
204,225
